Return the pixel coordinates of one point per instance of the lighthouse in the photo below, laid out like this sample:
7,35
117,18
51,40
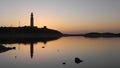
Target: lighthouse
31,20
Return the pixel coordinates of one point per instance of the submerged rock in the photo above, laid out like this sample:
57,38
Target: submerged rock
63,63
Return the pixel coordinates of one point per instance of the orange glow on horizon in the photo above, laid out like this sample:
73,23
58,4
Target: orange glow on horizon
65,26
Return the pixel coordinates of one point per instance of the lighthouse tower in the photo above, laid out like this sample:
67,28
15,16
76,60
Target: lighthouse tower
31,20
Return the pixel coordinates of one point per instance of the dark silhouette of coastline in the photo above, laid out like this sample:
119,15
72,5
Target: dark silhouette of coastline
32,32
28,32
96,35
104,35
66,35
5,49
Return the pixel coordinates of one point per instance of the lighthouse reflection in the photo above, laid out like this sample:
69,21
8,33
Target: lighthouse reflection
31,49
30,41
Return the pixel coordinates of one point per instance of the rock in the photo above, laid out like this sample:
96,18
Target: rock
63,63
77,60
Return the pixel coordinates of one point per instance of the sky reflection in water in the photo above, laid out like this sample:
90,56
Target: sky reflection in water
95,53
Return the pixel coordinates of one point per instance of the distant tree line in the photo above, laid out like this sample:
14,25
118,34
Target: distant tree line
96,34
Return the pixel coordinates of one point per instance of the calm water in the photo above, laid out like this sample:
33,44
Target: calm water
95,53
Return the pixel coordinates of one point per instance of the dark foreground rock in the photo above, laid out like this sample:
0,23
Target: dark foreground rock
78,60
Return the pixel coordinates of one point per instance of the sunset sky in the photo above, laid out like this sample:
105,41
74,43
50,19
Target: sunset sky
67,16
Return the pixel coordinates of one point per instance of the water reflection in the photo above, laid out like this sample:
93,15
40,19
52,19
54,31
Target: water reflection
4,49
30,41
65,52
26,40
31,50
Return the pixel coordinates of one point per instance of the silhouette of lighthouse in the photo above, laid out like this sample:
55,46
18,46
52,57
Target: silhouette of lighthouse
31,20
